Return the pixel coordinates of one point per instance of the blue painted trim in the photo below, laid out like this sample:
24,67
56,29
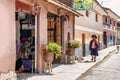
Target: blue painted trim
78,51
110,40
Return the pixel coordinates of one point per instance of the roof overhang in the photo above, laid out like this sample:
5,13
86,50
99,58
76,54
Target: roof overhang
113,13
99,9
61,5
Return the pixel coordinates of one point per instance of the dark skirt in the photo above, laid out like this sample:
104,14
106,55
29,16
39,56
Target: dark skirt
18,64
94,52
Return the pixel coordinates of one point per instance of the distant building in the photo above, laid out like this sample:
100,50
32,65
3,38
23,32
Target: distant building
118,33
109,28
85,26
100,21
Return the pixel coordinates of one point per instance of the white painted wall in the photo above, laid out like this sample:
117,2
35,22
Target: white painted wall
7,35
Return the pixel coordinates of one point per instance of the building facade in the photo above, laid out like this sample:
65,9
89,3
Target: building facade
52,21
7,33
118,33
110,28
87,25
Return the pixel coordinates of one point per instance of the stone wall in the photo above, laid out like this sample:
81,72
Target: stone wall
11,75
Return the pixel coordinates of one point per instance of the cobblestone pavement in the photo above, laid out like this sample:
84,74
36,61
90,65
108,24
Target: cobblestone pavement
107,70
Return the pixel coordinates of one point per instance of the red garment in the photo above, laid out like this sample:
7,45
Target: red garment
96,45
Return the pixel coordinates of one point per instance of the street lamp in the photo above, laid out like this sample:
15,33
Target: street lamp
36,6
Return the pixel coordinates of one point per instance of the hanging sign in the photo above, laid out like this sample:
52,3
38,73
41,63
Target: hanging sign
83,4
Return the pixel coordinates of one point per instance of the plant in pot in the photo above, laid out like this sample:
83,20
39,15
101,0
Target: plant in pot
50,50
72,45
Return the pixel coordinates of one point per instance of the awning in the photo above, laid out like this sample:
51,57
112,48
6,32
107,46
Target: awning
57,3
24,6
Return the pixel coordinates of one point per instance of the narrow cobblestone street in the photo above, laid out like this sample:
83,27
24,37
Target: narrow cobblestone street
59,39
107,70
70,71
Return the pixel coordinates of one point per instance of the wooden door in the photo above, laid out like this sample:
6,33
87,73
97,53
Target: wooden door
105,39
58,31
54,30
51,27
83,44
99,41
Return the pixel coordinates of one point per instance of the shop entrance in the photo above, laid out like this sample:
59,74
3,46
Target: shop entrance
26,36
25,42
54,30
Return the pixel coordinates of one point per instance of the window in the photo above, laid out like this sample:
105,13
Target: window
113,23
111,37
96,17
87,13
110,21
105,18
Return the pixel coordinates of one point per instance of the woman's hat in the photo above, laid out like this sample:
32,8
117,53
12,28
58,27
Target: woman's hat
94,36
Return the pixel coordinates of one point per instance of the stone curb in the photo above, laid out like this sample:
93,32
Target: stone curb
11,75
105,56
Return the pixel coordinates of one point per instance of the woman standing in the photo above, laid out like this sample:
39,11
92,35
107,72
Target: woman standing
93,47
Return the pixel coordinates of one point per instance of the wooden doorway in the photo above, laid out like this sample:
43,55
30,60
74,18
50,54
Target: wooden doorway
54,31
83,44
68,37
105,39
99,41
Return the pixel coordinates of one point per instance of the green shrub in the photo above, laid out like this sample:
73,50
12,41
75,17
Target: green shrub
74,44
55,48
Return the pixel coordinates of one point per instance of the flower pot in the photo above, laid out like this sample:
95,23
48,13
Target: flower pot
71,51
71,59
49,57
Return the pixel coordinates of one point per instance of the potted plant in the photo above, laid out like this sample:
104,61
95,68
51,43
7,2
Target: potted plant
50,50
72,45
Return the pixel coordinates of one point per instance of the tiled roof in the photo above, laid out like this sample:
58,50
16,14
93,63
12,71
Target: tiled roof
111,11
